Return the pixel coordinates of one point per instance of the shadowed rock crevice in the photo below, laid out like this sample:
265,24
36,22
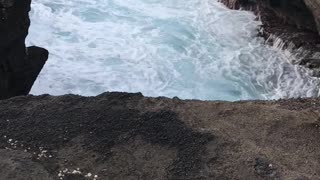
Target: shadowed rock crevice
19,66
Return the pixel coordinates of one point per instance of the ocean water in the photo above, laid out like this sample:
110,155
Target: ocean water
192,49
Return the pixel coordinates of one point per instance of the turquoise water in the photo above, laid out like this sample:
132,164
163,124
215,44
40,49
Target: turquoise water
192,49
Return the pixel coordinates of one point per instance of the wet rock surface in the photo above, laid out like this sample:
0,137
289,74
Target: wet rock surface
19,66
289,25
128,136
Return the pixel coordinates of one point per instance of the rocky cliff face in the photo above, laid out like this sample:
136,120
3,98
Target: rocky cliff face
303,14
289,24
19,66
314,6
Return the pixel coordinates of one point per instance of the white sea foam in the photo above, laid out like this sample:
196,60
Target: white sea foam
193,49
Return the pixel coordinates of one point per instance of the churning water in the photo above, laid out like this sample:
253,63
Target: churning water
193,49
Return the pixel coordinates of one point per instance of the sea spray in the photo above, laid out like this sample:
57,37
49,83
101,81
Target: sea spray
193,49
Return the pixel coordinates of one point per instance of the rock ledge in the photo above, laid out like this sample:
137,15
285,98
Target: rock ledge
128,136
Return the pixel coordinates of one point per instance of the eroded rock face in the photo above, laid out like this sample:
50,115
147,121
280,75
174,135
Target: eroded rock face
19,66
303,14
294,22
314,6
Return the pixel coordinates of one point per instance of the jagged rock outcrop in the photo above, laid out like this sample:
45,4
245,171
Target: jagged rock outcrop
290,25
303,14
314,6
19,66
128,136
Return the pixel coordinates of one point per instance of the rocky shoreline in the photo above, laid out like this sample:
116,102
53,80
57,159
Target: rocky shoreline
129,136
291,25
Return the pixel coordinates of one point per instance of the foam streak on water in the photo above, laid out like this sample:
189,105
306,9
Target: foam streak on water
193,49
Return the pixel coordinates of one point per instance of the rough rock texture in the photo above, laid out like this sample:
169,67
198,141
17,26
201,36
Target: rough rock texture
128,136
289,25
292,12
314,6
19,66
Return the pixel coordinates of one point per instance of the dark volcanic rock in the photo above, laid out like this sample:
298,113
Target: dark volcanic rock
265,169
19,66
13,161
287,24
288,12
314,6
311,63
128,136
